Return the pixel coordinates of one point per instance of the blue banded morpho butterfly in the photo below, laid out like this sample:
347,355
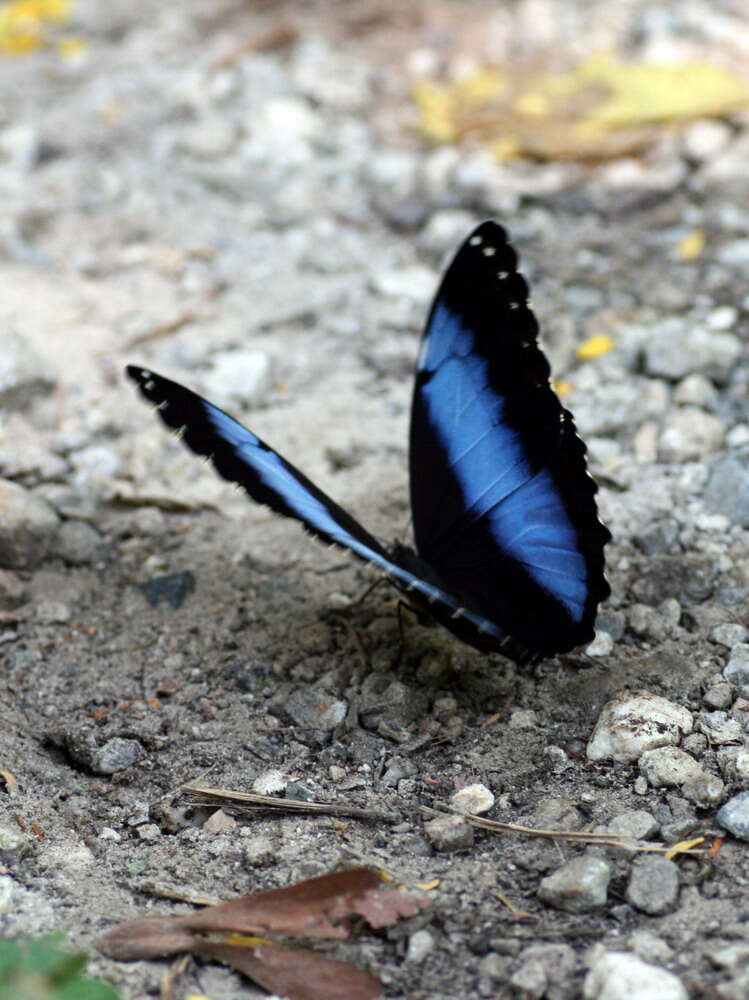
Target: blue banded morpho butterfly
509,550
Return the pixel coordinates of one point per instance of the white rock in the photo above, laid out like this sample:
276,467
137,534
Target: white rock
636,721
270,782
695,390
705,139
419,945
667,766
473,799
237,378
723,318
616,975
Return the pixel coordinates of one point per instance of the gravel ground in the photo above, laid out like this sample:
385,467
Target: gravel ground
234,195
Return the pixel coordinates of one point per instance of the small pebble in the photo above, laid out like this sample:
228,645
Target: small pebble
420,944
689,434
27,527
636,721
602,645
616,975
579,886
718,695
77,543
270,782
727,488
449,833
653,885
316,708
667,766
705,790
729,634
473,799
736,671
637,823
545,970
6,894
719,727
734,816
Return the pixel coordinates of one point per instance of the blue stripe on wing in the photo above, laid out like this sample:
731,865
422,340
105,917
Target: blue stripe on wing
503,507
497,481
241,457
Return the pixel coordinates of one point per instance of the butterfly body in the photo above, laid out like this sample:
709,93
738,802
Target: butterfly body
509,548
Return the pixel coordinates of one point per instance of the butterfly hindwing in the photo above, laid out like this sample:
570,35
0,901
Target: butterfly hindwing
503,507
241,457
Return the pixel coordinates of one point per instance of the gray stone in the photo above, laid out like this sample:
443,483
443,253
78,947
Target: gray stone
387,700
705,790
734,816
727,488
729,956
736,671
689,434
660,538
719,728
729,634
545,971
690,578
616,975
653,885
77,543
116,755
718,695
734,765
27,527
579,886
315,708
636,823
649,947
667,766
636,721
449,833
695,390
675,349
694,744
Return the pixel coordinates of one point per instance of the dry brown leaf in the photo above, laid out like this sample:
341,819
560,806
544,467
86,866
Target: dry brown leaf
318,907
293,973
146,937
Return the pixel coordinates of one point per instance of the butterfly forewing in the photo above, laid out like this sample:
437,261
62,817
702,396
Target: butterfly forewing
503,508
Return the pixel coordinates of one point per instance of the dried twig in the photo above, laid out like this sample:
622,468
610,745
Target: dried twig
577,836
290,805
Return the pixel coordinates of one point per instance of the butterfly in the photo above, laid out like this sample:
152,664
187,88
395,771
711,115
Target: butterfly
509,550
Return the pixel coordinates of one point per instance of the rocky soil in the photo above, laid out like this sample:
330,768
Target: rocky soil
235,195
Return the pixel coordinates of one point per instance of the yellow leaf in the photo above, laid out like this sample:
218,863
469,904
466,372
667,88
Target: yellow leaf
426,886
691,246
603,108
594,347
562,388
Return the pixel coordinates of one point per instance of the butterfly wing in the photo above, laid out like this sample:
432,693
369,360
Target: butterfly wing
503,507
241,457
